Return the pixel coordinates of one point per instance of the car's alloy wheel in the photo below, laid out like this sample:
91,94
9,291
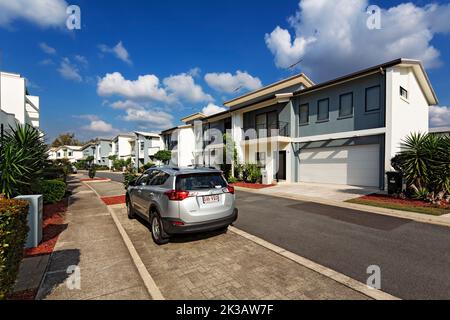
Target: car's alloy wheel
157,231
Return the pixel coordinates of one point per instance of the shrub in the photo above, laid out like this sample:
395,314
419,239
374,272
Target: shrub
163,155
252,173
92,172
148,165
54,173
22,158
232,179
128,177
13,234
52,190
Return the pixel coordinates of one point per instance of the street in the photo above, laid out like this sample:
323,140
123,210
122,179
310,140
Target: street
414,258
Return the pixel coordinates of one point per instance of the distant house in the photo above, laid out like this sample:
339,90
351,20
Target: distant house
440,131
16,105
71,153
123,146
146,145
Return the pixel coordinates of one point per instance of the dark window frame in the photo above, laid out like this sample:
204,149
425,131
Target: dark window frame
318,110
340,105
379,98
307,114
403,90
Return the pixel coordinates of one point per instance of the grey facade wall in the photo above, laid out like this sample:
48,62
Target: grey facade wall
360,120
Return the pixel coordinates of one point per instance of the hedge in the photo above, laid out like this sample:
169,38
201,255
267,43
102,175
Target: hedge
13,235
52,190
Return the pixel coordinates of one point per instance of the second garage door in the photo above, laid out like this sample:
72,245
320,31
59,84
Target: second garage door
351,165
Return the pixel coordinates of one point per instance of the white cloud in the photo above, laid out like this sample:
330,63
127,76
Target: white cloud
183,86
195,72
439,116
211,109
46,48
45,13
143,114
69,71
228,83
96,124
46,62
175,88
118,50
332,37
145,87
81,60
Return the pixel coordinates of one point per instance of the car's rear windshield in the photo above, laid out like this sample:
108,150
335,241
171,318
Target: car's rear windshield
199,181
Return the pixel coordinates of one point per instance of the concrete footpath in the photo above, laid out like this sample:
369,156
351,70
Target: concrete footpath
223,265
90,260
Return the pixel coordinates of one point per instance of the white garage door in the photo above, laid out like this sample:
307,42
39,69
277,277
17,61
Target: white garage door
351,165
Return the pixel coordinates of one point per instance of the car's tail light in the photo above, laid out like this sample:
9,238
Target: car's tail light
177,195
230,189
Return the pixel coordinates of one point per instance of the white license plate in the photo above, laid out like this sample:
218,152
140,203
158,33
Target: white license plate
210,199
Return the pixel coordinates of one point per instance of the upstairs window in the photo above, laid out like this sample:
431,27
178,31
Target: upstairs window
346,104
373,101
323,109
404,93
142,145
304,113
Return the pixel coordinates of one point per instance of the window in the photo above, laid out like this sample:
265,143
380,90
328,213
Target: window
346,104
323,109
261,159
404,93
142,145
200,181
159,179
70,153
304,113
373,98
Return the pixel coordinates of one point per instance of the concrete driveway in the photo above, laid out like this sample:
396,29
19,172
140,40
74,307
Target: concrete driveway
318,190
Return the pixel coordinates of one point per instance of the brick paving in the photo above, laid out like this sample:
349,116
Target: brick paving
226,266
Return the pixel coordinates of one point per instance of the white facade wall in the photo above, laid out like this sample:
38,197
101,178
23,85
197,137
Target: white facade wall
186,147
14,101
403,116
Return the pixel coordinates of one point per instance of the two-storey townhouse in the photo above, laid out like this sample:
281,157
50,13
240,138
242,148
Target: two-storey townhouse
88,150
16,104
71,153
343,131
102,152
146,145
123,146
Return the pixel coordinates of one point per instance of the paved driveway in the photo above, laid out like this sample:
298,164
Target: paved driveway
414,258
318,190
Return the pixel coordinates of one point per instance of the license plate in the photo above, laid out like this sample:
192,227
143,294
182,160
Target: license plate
210,199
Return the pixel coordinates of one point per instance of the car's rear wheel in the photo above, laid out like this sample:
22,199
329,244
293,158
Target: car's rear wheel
130,210
157,231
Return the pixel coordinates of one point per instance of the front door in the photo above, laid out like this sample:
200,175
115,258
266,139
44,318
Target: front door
281,175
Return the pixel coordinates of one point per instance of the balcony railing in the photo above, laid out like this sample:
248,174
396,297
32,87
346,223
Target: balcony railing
280,129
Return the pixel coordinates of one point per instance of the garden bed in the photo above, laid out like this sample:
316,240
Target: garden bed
251,185
109,201
53,225
390,202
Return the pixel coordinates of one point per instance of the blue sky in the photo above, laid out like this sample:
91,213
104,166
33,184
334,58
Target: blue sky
194,54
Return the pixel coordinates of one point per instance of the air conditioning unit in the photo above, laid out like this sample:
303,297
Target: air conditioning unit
35,217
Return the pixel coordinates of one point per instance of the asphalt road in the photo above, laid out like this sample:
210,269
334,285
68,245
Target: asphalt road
414,258
114,176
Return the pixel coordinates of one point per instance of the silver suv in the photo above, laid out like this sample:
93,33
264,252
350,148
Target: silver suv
176,200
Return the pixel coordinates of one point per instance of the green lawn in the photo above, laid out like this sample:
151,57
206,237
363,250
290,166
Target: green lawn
435,211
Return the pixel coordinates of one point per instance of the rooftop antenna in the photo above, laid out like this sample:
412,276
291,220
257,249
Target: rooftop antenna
292,66
238,88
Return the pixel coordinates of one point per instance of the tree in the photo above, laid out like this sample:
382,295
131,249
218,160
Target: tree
163,155
66,139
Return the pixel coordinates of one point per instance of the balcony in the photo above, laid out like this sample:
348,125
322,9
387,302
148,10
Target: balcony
264,131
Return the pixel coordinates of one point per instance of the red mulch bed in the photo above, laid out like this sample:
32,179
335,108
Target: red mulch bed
53,226
23,295
251,185
94,179
390,199
109,201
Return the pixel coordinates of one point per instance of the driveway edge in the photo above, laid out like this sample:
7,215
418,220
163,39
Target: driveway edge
327,272
418,217
149,283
